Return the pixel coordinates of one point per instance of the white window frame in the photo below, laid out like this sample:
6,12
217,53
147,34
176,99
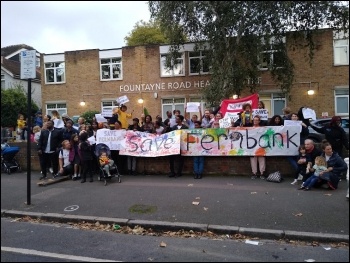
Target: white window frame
272,97
200,57
341,47
55,67
177,69
177,103
341,96
61,107
270,52
115,69
108,105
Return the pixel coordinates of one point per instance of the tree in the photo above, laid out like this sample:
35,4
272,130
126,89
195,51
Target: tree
146,33
88,115
14,101
234,34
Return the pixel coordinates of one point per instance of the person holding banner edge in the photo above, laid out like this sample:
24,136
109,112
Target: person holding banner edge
254,160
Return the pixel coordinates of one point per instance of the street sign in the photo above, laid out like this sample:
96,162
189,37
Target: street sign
28,64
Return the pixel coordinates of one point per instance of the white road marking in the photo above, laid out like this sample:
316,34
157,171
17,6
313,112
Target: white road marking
53,255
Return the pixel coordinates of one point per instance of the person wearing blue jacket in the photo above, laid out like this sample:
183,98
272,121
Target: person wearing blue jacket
335,167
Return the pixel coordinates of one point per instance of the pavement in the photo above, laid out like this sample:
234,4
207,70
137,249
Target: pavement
221,204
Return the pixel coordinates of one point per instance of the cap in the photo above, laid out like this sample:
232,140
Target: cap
135,119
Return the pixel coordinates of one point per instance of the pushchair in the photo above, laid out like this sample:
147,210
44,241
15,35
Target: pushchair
102,175
8,160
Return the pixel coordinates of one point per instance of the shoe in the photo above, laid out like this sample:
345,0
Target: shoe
294,182
109,175
83,181
199,176
300,177
171,175
51,170
331,186
134,173
195,176
91,180
43,178
56,175
178,175
75,177
262,177
78,176
301,188
253,177
307,189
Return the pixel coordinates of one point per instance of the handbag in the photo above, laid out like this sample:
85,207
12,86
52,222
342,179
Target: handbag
275,177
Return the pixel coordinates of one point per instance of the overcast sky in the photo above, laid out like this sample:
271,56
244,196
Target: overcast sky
55,27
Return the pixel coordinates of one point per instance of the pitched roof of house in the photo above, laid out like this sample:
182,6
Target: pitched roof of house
5,51
15,68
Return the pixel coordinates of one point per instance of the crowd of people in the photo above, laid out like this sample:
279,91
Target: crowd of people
67,151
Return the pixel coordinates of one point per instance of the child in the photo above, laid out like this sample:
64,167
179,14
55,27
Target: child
302,166
21,123
105,162
123,116
247,115
318,169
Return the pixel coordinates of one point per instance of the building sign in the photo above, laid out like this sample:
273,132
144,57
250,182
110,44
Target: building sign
239,141
182,85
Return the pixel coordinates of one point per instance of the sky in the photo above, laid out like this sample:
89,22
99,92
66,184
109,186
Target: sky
55,27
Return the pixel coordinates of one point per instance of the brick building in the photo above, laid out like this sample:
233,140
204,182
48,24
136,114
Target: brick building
98,77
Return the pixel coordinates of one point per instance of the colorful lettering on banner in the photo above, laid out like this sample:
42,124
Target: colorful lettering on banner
145,144
241,141
114,139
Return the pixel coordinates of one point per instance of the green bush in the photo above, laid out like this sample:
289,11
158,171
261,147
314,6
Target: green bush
88,115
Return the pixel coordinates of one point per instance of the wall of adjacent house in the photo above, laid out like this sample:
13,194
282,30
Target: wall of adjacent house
10,82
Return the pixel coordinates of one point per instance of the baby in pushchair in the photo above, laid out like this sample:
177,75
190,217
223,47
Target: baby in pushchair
105,162
8,160
108,168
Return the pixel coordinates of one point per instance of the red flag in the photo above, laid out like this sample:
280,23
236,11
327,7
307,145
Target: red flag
231,107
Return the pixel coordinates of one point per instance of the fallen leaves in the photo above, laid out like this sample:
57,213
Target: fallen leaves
299,214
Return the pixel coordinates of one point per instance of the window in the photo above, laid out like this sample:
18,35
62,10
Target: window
111,68
178,69
271,57
107,106
2,81
274,103
341,51
173,104
55,72
198,63
341,97
60,107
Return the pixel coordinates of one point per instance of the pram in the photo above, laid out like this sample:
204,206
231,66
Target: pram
8,160
102,175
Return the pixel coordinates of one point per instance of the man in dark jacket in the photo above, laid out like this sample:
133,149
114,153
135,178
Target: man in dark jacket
48,146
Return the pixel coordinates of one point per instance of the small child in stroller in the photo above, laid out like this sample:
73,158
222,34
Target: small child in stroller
105,162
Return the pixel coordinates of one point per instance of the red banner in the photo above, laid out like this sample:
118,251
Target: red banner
231,107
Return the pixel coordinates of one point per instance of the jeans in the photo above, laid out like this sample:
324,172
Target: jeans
198,164
311,181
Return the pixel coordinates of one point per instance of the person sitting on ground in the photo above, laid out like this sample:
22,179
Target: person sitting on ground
335,167
306,161
318,169
106,163
65,160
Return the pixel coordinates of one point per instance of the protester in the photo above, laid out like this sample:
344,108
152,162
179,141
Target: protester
334,134
247,115
335,166
123,116
198,161
85,156
318,169
254,160
305,161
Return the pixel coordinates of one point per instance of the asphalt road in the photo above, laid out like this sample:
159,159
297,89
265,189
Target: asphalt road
223,200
